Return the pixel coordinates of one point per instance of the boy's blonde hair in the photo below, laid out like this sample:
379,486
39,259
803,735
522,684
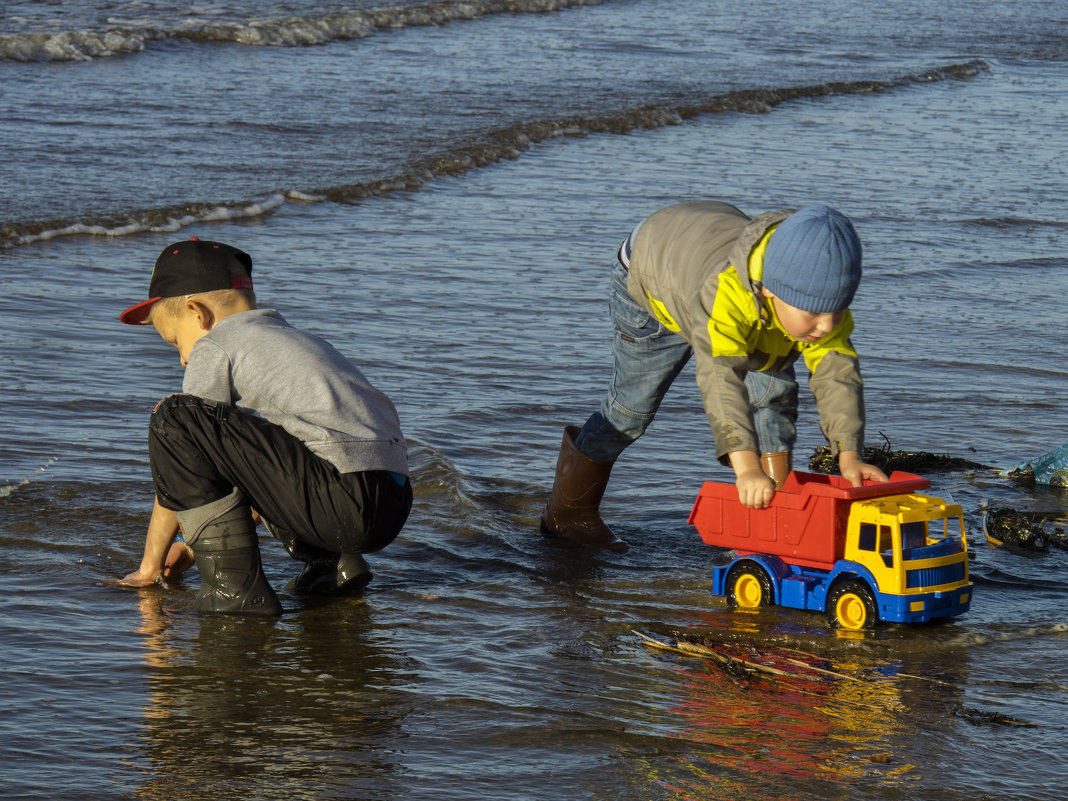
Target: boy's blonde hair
222,299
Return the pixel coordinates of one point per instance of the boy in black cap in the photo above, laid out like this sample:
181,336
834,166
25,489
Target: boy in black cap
270,419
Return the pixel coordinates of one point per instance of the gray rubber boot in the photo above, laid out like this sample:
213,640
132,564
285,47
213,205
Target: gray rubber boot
223,538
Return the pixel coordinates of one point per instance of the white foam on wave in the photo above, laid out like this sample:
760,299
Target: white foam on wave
70,46
305,32
213,214
304,197
130,36
7,489
251,210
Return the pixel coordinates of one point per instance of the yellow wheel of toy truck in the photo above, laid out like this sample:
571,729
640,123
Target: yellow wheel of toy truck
748,586
851,606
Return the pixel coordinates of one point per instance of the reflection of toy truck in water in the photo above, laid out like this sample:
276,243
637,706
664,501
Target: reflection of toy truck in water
859,554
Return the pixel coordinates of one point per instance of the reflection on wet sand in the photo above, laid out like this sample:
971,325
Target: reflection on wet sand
242,708
768,717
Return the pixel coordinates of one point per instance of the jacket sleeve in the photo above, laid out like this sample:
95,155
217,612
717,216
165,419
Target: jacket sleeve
208,373
721,380
721,343
834,378
839,392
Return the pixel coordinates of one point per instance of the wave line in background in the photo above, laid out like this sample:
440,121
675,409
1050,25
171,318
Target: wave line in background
494,146
85,45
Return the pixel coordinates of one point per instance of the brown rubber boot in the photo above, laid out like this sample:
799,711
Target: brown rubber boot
777,465
572,515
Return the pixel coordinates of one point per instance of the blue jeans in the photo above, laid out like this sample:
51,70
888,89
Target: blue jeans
648,358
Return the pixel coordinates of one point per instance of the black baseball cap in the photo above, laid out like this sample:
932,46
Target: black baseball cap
191,267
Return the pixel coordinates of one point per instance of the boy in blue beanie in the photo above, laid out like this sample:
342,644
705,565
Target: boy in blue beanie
748,296
270,419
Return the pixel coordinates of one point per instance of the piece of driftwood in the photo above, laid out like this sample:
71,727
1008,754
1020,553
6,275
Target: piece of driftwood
807,672
983,718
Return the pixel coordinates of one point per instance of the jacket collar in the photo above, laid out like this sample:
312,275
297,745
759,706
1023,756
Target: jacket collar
739,257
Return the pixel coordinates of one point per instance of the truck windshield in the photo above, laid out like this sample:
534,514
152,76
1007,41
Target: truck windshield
914,535
926,532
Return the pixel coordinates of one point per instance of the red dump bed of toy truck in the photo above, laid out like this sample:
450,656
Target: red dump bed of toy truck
805,524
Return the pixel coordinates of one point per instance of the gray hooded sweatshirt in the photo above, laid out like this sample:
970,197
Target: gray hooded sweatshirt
258,362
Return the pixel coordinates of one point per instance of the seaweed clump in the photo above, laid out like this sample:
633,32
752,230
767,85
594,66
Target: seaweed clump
1018,531
889,460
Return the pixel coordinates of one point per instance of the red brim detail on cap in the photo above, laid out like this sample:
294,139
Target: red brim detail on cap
138,315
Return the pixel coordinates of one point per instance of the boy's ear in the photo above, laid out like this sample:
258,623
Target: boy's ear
765,292
205,316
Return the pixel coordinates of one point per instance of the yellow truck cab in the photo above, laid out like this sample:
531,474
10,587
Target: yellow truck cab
916,551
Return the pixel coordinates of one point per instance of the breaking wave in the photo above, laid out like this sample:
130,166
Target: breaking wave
491,147
288,32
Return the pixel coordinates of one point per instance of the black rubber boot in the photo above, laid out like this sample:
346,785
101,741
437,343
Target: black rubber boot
223,538
344,573
324,571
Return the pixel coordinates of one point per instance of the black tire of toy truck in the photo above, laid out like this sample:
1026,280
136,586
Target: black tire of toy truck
749,586
851,606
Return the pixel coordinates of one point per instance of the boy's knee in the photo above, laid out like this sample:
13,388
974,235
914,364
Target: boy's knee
603,440
395,504
161,412
179,409
624,425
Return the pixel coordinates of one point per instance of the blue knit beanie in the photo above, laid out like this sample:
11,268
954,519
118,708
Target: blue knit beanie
812,260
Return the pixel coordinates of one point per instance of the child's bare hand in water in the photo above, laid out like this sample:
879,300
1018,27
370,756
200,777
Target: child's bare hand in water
179,559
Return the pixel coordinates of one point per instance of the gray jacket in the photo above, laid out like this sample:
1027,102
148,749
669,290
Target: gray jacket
689,269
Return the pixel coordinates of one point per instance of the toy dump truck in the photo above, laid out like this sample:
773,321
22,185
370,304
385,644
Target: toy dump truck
858,554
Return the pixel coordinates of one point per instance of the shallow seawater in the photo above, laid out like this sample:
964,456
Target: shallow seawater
481,662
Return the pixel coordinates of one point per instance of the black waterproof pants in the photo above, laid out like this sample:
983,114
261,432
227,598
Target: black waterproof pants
200,451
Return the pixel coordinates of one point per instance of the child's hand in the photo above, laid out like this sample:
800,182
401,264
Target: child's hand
855,471
179,559
755,488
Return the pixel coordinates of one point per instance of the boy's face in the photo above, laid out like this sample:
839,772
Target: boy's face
182,330
802,325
